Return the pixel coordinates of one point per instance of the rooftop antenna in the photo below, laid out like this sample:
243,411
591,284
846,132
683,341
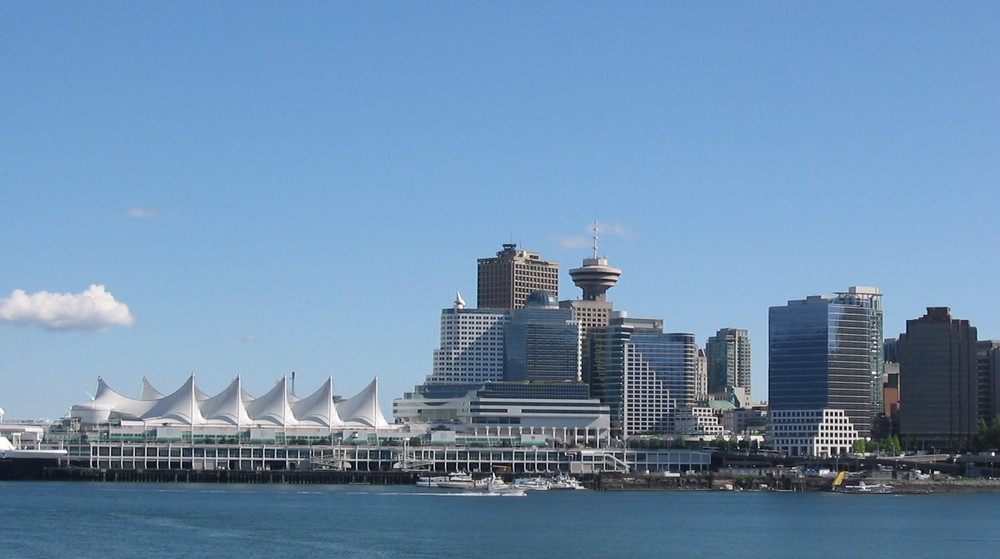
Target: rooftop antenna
595,239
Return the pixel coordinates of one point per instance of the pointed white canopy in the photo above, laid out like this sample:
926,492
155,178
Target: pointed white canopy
234,406
179,407
227,406
124,407
273,407
148,392
364,408
318,408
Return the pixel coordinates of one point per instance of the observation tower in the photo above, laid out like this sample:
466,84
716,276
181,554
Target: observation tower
595,277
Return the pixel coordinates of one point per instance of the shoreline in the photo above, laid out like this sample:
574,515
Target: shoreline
604,481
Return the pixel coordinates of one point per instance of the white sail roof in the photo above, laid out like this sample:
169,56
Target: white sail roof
227,406
148,392
179,407
318,408
234,406
364,407
126,408
273,407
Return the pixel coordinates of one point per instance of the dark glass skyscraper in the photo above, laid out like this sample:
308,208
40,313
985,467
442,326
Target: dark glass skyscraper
541,342
938,403
825,353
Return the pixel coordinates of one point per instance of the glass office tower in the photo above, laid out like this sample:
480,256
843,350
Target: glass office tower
542,342
728,354
825,353
642,374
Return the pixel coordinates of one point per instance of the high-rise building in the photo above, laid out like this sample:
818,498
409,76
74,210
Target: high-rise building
824,354
701,377
471,346
642,374
542,342
506,281
728,353
987,372
938,400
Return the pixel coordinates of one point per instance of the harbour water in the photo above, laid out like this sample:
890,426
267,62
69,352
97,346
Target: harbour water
83,520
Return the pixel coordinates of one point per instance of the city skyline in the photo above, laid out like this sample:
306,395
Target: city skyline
304,188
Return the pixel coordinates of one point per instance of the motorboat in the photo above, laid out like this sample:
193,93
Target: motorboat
457,480
532,483
497,486
565,481
430,481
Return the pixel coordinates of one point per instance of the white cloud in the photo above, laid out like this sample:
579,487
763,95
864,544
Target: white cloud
142,213
574,242
603,230
249,339
94,309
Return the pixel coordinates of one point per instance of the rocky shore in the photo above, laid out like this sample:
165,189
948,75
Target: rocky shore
964,485
724,482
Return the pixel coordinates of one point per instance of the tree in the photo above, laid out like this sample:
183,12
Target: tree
989,435
859,446
892,446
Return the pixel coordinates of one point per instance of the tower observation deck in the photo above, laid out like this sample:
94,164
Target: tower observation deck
595,277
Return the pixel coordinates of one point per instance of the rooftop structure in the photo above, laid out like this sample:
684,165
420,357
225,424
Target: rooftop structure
595,277
233,408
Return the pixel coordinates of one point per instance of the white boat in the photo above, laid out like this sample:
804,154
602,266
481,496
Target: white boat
565,481
457,480
863,488
532,483
497,486
430,481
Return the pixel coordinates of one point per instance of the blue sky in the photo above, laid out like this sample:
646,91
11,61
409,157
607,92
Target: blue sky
274,187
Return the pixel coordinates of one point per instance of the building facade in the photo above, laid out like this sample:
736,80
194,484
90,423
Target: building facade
504,282
987,372
729,361
643,374
824,354
471,345
542,342
938,378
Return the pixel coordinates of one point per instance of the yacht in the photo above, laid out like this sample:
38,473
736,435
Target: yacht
457,480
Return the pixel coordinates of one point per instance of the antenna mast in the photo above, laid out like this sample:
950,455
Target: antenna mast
595,238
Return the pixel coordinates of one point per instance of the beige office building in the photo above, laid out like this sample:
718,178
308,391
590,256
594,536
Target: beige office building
506,280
